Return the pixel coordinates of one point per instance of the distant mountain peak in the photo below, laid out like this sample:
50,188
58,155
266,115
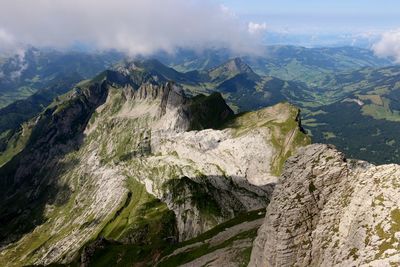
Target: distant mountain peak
240,64
125,67
236,65
230,69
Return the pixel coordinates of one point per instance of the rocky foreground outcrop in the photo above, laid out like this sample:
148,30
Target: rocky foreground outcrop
329,211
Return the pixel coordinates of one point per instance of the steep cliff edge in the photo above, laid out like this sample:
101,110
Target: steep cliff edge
329,211
128,159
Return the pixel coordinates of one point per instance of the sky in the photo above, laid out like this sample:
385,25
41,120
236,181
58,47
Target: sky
328,15
148,26
320,23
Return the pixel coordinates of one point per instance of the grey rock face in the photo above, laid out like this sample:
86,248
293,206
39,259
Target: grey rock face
202,204
328,211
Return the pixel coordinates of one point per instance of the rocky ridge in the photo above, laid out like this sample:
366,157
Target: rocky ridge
129,159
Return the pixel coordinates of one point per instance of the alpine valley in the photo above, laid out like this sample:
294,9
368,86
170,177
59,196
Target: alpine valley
200,158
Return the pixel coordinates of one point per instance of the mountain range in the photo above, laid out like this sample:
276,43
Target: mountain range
199,159
247,83
144,166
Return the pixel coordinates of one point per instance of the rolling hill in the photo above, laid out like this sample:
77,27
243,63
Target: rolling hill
25,73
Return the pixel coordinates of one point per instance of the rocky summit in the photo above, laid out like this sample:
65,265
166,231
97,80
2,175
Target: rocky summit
331,211
125,167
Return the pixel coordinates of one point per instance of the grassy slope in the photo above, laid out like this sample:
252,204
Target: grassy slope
141,229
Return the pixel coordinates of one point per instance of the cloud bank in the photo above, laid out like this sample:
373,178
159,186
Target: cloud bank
389,45
131,26
257,28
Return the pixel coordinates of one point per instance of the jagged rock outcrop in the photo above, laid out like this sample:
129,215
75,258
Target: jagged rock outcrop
329,211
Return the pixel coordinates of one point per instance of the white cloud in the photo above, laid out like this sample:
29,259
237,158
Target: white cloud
20,64
132,26
257,28
7,41
5,37
389,45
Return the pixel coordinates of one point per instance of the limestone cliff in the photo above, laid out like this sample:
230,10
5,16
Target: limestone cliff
329,211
